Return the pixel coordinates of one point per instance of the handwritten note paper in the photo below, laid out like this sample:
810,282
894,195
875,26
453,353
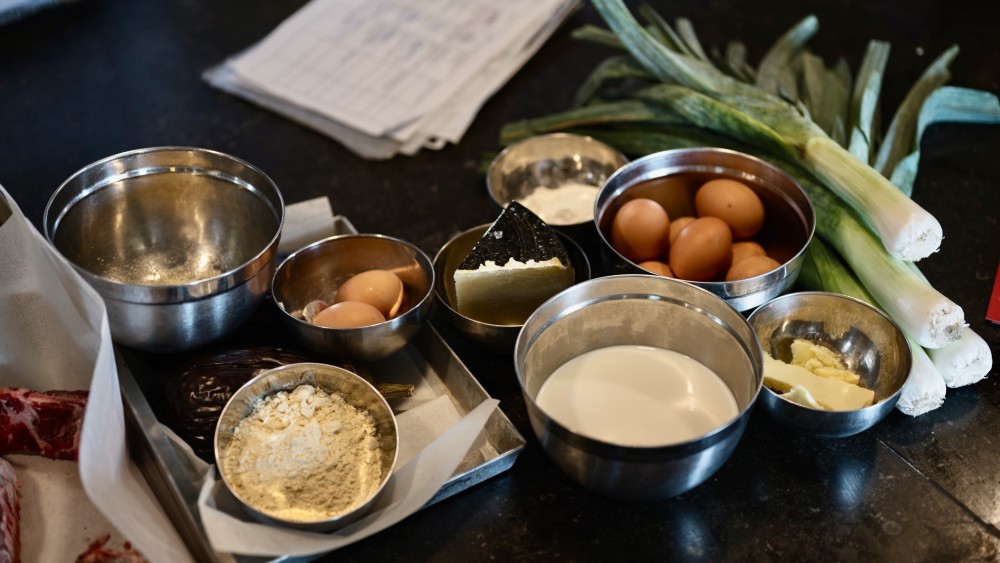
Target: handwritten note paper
394,71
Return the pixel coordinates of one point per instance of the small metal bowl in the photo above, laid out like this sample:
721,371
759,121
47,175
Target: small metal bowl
648,311
358,392
546,162
672,177
181,243
318,270
497,338
869,342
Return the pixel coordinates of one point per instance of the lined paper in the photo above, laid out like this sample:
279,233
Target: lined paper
389,69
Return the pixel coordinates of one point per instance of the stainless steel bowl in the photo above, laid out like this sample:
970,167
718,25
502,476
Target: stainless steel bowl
672,177
331,379
546,162
496,338
318,270
650,311
869,342
180,242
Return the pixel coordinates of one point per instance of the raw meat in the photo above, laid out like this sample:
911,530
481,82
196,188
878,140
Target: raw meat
46,424
10,513
99,552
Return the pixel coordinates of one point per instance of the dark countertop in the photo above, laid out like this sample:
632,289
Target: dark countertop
86,80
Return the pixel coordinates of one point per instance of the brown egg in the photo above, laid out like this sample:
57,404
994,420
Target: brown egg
657,267
751,267
677,224
734,203
348,314
381,289
640,230
745,248
702,250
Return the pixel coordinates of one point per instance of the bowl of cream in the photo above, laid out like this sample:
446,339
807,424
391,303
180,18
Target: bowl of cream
558,177
638,387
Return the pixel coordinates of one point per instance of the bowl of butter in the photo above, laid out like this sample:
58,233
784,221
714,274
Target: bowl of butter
834,366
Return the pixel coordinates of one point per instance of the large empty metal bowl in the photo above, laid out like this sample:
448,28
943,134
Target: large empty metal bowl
180,242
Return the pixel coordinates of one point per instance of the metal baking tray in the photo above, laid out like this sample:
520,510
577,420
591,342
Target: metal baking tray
175,481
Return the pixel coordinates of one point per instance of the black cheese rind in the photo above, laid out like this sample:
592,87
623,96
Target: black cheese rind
519,234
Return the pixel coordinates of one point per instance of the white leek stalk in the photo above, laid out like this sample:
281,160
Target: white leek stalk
925,314
906,229
925,389
964,361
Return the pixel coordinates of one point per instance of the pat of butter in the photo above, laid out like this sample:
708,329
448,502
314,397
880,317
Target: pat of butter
801,395
831,394
821,361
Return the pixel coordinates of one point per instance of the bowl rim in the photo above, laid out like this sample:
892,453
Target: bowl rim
735,290
194,289
446,303
892,398
421,257
661,451
361,507
576,137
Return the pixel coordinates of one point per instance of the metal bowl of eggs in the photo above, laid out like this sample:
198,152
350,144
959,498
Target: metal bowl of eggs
834,365
638,387
557,176
356,297
491,336
180,242
326,462
725,221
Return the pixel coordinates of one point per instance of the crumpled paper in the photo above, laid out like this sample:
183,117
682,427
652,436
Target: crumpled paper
54,335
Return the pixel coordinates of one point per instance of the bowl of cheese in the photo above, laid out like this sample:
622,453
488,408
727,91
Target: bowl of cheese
491,277
834,366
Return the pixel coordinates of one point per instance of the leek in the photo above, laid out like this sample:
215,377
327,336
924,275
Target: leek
965,361
864,100
907,230
929,317
925,387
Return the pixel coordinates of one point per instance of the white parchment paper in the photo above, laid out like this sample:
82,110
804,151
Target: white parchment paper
54,335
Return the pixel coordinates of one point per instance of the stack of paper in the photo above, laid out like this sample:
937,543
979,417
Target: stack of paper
390,76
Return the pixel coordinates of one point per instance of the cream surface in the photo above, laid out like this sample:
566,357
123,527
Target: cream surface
637,396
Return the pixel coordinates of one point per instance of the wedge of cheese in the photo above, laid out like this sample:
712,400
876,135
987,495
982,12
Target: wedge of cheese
517,264
831,394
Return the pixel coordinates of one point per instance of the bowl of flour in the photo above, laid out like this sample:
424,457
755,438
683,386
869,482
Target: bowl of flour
307,446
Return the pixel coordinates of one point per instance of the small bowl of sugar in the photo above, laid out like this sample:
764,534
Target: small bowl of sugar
557,176
307,446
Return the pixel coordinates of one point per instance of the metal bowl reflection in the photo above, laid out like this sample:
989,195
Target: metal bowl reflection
672,177
318,270
180,242
648,311
358,393
868,341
